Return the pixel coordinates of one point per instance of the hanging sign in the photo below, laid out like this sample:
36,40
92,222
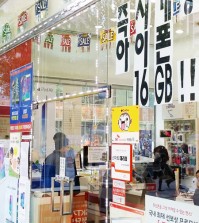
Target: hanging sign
107,37
132,29
121,162
188,7
188,80
163,39
41,9
6,33
22,21
84,40
122,38
176,7
125,124
66,43
49,40
141,54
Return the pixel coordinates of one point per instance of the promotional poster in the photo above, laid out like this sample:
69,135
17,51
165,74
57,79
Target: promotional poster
21,98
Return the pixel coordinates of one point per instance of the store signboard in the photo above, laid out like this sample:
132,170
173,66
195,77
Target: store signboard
120,213
125,124
141,54
119,191
21,98
163,58
188,80
162,210
121,162
122,38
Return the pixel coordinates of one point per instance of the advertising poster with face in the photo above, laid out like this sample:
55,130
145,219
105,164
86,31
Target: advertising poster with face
125,124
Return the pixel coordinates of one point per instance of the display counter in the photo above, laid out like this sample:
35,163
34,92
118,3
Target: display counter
185,197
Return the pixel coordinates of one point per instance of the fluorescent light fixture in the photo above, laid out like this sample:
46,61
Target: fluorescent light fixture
132,10
179,31
113,19
98,27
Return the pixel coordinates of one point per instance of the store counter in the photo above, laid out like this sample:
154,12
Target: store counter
185,197
135,196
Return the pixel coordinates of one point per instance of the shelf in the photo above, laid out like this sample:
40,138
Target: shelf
175,142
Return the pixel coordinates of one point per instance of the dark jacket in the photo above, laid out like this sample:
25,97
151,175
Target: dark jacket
50,169
196,197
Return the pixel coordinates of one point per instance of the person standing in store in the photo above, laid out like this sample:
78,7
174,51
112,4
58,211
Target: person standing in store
52,162
161,169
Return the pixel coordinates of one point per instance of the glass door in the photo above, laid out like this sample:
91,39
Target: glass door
70,158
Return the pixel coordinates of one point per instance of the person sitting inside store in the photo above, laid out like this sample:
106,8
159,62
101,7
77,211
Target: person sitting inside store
196,192
52,162
161,169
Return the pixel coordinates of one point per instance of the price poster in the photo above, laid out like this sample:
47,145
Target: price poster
14,154
21,98
159,210
121,162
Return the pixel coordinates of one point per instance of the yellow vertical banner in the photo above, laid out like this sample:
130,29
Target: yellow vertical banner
125,124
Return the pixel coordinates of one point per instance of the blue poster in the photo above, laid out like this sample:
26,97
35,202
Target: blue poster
21,95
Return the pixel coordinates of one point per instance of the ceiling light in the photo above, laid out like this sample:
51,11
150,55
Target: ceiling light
113,19
132,10
98,27
179,31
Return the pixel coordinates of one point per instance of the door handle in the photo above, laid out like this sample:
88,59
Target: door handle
70,211
62,181
53,196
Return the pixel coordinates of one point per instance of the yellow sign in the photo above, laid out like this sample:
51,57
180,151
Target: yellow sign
125,119
107,36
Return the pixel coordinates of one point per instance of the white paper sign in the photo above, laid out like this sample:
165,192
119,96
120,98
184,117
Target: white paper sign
119,212
159,210
141,55
11,200
122,38
62,167
24,159
119,191
121,162
96,154
24,200
163,52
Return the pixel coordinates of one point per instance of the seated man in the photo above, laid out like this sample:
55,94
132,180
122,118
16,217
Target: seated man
196,193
